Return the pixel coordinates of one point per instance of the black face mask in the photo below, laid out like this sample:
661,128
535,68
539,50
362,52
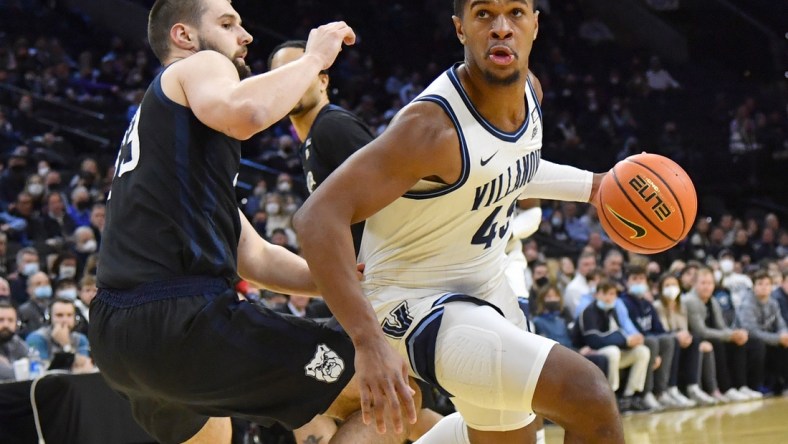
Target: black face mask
653,276
542,281
83,205
550,306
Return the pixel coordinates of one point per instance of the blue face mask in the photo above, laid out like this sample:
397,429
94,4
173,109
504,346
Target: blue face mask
638,289
604,305
44,292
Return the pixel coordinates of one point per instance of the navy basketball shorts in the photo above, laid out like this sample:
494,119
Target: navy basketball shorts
184,350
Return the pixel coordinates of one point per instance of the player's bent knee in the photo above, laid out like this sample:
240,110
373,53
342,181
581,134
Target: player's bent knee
215,431
573,392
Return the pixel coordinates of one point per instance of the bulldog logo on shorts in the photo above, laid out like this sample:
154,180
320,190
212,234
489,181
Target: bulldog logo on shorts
326,366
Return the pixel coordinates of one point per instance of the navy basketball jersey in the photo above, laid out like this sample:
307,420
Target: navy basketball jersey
172,210
335,135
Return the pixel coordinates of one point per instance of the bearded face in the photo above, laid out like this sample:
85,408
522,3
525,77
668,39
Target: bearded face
238,58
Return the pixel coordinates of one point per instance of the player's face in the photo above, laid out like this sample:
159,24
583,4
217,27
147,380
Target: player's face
221,31
316,90
498,36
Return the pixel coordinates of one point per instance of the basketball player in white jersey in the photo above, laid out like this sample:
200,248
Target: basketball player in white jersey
437,190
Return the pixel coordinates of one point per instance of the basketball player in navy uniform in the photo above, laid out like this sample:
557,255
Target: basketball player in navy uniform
437,190
167,329
330,135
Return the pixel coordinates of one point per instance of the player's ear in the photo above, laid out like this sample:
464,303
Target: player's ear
458,29
183,37
323,82
536,24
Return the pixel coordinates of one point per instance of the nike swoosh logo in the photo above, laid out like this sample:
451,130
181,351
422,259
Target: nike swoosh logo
639,231
486,161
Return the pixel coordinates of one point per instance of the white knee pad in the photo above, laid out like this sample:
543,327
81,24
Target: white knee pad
489,365
449,430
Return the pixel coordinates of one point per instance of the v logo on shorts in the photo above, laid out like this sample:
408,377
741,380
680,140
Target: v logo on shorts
326,365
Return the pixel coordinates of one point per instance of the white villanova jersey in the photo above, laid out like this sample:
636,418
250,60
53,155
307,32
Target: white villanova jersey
451,238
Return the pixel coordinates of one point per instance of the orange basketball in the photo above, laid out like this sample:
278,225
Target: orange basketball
647,203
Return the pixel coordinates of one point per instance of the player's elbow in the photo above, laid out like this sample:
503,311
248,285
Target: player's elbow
250,119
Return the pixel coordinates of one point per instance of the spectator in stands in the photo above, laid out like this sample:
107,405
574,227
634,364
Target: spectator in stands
97,219
598,325
5,291
738,284
735,352
23,208
5,266
67,289
760,316
84,246
688,275
13,177
59,337
79,210
12,347
660,343
35,312
27,264
659,79
780,294
57,224
613,267
65,266
255,201
579,285
673,316
87,291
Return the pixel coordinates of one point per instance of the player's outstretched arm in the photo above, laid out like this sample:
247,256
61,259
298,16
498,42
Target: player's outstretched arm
270,266
208,83
419,143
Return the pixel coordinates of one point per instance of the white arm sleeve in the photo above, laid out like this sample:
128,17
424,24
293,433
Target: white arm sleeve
559,182
527,222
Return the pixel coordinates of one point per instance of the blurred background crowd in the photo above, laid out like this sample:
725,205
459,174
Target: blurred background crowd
658,76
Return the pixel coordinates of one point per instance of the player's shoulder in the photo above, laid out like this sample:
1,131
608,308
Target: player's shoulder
333,114
423,125
198,63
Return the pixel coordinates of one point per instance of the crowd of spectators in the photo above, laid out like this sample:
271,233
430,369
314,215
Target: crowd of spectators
602,102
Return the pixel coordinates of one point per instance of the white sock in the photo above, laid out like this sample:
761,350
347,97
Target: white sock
540,437
449,430
692,388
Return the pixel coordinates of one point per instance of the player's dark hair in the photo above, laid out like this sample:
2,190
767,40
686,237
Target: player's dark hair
164,15
289,44
460,4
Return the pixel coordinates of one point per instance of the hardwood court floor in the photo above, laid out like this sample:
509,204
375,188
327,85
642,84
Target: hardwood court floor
754,422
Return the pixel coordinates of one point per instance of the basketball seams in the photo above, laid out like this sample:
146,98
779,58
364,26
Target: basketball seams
634,205
675,196
620,236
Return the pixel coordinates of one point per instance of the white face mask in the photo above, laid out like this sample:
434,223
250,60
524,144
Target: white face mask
726,266
68,293
284,187
671,291
67,272
272,208
30,269
88,247
717,275
43,171
36,189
